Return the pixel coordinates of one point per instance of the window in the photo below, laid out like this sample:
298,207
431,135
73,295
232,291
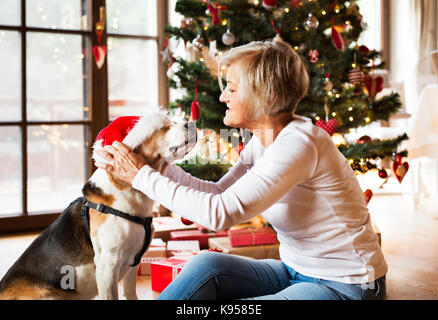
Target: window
54,99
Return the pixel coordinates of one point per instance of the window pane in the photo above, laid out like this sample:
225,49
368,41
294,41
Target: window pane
56,166
10,170
56,14
10,87
132,76
132,17
55,79
10,12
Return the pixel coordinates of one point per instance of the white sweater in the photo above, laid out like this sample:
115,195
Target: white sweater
303,186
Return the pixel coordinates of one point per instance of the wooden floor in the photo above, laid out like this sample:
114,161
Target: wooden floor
409,238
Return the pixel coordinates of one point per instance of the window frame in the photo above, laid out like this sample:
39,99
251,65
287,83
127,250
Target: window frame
95,97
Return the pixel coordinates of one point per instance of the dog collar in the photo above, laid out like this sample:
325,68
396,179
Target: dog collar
145,222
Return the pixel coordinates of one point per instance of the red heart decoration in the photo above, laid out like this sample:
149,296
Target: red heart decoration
374,85
99,55
367,195
329,126
400,170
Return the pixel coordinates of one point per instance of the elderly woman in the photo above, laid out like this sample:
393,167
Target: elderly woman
290,172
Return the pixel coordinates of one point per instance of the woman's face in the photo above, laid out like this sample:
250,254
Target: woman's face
236,114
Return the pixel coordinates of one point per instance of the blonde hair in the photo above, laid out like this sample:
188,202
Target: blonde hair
273,77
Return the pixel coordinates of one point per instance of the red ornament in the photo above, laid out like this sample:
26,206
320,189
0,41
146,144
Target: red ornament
383,174
400,168
364,139
313,54
367,195
295,3
337,39
269,4
329,126
374,85
99,53
355,76
240,147
215,12
195,110
186,221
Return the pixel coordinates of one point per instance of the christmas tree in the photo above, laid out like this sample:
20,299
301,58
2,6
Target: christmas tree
344,86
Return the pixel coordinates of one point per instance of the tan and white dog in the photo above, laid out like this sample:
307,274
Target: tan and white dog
103,255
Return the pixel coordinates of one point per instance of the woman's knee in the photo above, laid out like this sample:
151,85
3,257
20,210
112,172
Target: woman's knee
213,262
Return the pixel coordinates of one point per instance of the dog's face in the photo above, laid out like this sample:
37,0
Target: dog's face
171,142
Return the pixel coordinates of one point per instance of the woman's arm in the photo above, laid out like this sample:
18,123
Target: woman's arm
284,164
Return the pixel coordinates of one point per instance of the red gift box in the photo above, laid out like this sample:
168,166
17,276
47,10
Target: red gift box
202,237
252,236
165,271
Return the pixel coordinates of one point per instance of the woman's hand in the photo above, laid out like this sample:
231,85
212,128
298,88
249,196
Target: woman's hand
124,162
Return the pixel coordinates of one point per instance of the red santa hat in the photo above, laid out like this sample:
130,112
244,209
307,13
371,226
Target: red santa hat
269,4
131,130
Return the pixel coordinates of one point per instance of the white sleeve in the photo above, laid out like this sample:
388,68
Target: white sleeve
283,165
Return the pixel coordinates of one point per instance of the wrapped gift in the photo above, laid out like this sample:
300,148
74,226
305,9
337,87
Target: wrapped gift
163,272
223,244
202,237
156,251
252,236
165,225
182,247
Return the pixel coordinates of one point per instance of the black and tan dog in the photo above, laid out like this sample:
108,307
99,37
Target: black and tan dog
99,238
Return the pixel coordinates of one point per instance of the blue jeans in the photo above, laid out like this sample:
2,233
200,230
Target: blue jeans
213,275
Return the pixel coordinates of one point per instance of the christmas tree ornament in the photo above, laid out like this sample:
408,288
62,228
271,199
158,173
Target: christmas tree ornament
269,4
374,84
313,54
311,23
329,126
198,42
195,108
328,85
239,147
367,195
192,53
295,3
400,168
383,174
186,22
364,139
214,11
228,38
337,40
99,50
355,76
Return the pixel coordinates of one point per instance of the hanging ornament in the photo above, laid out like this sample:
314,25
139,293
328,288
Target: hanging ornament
313,54
355,76
311,23
192,53
328,85
195,108
213,10
228,38
364,139
239,147
269,4
400,168
172,68
337,40
99,50
367,195
198,42
383,174
277,32
295,3
329,126
373,84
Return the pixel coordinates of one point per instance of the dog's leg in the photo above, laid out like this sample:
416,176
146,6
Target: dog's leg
130,284
107,275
